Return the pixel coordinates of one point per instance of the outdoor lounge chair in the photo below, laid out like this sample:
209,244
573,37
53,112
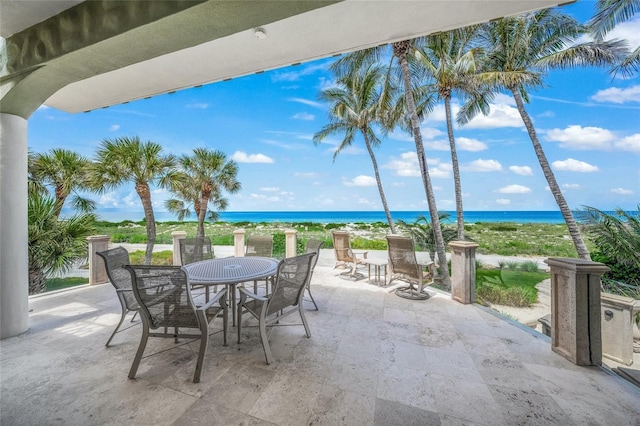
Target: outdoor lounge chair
292,278
404,265
313,246
164,296
345,256
259,245
195,250
114,261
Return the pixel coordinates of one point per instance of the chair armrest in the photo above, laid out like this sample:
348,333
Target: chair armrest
123,290
215,299
252,295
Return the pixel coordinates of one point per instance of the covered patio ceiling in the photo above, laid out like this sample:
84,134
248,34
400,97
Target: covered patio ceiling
190,43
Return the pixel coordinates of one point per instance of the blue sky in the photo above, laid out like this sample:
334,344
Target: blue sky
588,123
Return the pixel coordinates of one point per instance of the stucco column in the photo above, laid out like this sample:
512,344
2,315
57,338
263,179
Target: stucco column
575,309
290,242
238,242
14,260
177,236
463,271
97,269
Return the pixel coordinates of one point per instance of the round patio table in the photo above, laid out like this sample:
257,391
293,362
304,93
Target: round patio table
231,271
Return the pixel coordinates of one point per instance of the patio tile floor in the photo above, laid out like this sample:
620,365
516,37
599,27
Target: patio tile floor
373,359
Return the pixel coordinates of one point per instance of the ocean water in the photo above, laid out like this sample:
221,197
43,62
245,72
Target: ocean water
350,216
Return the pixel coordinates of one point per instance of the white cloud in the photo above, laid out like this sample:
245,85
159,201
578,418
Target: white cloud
468,144
571,186
304,116
629,143
297,73
109,199
132,200
262,197
500,115
308,175
514,189
578,137
114,127
270,189
481,165
243,157
503,201
308,102
361,180
572,165
521,170
629,30
407,166
618,96
622,191
198,105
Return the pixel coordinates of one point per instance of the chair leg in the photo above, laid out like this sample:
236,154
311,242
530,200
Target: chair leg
239,320
124,314
304,320
311,296
204,342
265,342
141,347
225,318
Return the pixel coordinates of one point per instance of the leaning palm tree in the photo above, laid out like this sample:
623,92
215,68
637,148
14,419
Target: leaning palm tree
355,105
520,50
200,183
450,59
126,159
67,172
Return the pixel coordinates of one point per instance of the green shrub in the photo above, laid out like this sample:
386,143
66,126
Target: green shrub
59,283
504,227
159,258
512,265
529,266
138,239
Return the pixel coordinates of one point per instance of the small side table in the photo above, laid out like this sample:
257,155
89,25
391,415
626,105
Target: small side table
378,265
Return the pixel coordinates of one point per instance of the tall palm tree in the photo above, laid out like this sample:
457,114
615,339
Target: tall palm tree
520,50
67,172
609,13
355,105
450,59
203,177
126,159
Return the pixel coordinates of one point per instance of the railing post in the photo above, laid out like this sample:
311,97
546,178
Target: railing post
97,270
238,242
177,236
290,243
463,271
575,309
618,321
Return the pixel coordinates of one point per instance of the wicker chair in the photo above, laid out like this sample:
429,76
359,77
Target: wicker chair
164,296
259,245
345,256
114,261
286,298
404,265
313,246
195,250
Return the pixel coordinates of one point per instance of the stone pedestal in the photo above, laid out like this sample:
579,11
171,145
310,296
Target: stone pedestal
575,309
463,271
618,320
177,236
97,270
290,242
238,242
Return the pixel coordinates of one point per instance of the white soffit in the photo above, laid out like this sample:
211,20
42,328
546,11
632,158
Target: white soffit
338,28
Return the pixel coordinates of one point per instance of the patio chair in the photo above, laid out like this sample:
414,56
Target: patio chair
313,246
115,260
404,265
259,245
195,250
345,256
286,298
164,296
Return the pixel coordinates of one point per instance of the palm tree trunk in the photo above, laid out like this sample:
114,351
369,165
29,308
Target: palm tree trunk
574,231
37,281
142,188
400,49
383,198
60,198
456,170
202,213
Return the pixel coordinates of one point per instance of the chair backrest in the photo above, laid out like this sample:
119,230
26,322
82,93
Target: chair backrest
259,245
342,246
402,256
195,250
291,280
313,246
164,296
115,260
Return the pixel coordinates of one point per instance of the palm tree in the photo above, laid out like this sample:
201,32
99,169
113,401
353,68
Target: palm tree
355,104
609,13
126,159
67,172
54,245
203,177
520,50
451,62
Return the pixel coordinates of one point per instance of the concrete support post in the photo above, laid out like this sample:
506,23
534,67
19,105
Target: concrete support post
14,259
177,236
575,309
618,321
238,242
463,271
97,270
290,242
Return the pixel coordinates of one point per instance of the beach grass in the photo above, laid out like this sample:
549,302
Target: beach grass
508,287
60,283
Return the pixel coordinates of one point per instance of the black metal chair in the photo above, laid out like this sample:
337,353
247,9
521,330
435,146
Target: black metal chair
164,296
259,245
195,250
313,246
